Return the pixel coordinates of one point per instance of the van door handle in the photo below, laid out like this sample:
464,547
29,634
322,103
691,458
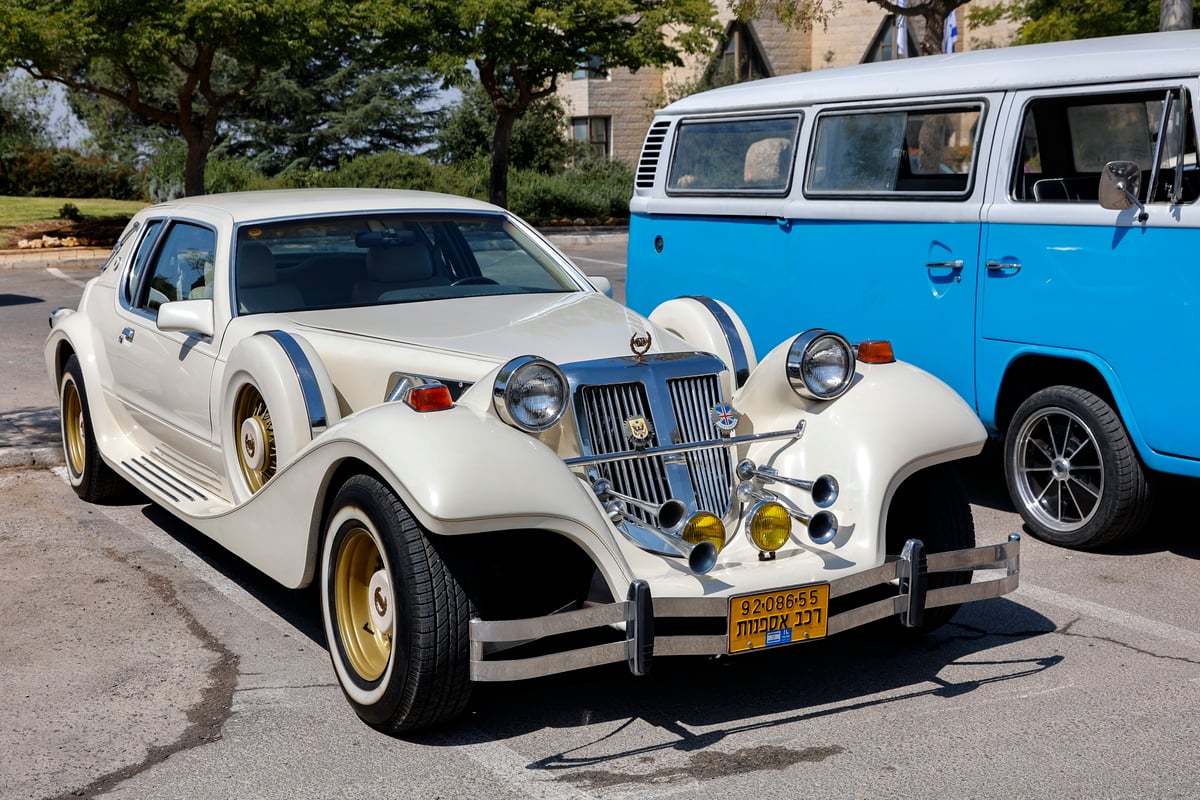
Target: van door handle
996,266
955,264
125,335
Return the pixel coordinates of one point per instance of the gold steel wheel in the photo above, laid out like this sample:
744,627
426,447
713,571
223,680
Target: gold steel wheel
73,432
363,604
256,447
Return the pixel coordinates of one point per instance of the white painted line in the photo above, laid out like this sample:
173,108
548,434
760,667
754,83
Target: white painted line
1110,615
58,273
599,261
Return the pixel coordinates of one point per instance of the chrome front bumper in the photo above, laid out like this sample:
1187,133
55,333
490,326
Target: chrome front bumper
490,638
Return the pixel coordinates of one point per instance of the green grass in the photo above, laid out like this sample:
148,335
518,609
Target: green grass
16,212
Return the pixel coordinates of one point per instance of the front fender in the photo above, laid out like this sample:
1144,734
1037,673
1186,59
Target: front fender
894,420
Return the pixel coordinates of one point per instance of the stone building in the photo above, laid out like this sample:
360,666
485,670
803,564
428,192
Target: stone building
610,113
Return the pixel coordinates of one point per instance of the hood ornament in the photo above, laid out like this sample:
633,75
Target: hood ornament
640,343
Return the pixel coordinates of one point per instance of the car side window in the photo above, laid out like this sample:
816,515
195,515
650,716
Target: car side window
181,268
140,259
1066,141
916,152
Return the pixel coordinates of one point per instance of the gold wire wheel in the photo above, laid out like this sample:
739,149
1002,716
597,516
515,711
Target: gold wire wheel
74,438
255,437
363,601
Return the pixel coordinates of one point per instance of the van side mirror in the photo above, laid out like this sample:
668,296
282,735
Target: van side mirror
187,316
1120,182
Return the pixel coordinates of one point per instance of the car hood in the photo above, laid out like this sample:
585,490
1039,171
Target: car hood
576,326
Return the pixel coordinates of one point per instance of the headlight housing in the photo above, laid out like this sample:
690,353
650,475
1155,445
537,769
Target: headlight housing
530,393
820,365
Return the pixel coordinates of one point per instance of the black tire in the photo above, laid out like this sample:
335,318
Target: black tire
91,478
1072,471
396,618
932,506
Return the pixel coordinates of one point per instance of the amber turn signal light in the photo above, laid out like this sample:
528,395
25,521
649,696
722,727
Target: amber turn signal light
876,351
435,397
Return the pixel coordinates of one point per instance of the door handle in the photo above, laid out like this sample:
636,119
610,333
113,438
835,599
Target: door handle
125,335
955,264
996,266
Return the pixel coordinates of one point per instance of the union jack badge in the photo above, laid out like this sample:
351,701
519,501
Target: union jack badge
637,432
724,418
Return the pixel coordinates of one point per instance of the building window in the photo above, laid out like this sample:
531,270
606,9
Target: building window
593,132
741,60
883,46
590,69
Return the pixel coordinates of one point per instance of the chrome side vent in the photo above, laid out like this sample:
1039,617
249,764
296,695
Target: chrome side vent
711,470
651,151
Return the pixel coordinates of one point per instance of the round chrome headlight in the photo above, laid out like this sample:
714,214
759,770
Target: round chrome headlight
530,393
820,365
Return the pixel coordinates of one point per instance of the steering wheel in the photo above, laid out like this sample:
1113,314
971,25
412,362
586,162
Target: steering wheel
471,280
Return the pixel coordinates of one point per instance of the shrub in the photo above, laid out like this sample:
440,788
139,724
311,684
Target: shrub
70,211
50,172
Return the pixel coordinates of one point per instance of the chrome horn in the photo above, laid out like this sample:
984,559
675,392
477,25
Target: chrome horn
671,516
822,526
824,489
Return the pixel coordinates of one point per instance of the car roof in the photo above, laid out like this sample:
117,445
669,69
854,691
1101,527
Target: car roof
280,203
1109,59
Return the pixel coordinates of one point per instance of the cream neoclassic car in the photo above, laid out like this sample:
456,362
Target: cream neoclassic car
493,470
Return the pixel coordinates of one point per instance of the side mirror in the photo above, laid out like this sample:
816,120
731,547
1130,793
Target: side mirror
187,316
601,284
1120,182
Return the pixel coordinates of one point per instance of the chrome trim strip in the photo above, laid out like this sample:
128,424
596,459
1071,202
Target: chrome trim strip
314,404
685,448
525,668
737,349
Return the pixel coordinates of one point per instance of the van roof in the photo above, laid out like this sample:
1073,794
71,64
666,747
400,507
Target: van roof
1109,59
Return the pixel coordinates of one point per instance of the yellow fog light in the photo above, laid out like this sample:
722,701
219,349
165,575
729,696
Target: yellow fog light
769,526
704,527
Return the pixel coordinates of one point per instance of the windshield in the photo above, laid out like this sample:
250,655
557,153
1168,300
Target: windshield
336,262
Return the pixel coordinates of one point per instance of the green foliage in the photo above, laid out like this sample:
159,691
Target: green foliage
38,172
538,141
597,191
180,63
71,212
1060,20
325,109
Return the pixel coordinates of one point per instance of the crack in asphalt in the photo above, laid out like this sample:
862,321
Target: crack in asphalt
205,719
1066,630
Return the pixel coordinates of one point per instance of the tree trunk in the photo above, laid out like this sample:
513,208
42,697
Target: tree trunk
935,31
193,167
498,176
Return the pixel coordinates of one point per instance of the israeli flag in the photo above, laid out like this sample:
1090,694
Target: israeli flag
951,38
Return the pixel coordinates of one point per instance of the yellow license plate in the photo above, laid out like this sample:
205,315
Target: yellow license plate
784,616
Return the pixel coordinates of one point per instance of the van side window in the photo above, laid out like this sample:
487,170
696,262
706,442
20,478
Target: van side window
1066,141
904,152
734,156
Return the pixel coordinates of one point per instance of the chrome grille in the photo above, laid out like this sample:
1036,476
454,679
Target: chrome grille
710,470
605,410
677,408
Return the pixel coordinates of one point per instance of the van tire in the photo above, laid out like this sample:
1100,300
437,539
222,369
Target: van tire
1072,471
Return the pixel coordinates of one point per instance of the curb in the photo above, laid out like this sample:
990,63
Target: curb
53,257
26,457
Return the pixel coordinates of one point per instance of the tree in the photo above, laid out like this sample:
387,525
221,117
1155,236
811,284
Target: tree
1059,20
179,63
537,138
328,109
516,49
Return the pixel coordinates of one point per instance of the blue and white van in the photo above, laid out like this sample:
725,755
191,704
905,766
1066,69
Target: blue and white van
1020,222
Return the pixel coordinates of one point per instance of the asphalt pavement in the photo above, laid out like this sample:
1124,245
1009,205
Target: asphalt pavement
30,437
